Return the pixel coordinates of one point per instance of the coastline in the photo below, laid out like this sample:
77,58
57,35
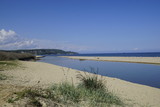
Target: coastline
32,74
144,60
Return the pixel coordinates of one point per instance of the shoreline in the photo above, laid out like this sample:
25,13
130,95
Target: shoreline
144,60
32,74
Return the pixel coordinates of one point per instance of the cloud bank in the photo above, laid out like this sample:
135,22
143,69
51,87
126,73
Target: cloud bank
11,40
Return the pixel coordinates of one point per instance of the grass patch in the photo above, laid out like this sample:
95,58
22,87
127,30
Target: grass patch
66,93
31,94
91,82
90,92
3,77
5,65
69,94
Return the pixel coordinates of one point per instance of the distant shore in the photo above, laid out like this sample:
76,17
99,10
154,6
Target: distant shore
145,60
40,74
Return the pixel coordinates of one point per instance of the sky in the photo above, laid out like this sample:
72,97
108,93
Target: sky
84,26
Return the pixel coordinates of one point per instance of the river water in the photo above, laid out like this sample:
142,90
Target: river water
146,74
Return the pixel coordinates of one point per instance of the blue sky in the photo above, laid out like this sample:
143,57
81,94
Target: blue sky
81,25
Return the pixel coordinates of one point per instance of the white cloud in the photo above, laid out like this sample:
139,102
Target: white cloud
7,37
11,40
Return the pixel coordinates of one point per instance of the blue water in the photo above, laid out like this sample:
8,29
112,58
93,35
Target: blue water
145,54
146,74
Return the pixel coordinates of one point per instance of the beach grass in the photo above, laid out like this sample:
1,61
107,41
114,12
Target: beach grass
70,95
91,82
5,65
3,77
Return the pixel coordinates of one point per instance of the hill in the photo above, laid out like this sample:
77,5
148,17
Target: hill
42,51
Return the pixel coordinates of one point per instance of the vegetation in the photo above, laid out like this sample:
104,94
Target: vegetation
90,92
5,65
42,51
91,82
6,56
3,77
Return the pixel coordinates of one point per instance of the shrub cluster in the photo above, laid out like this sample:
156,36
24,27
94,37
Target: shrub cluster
5,56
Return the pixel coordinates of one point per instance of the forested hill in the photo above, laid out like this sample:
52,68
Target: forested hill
42,51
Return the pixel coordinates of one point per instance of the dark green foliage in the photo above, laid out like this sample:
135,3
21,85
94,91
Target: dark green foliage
5,56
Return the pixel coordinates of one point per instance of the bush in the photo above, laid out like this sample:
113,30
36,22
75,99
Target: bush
5,56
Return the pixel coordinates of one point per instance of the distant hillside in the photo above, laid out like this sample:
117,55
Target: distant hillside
42,51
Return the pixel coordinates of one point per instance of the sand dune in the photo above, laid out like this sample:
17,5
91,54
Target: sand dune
45,75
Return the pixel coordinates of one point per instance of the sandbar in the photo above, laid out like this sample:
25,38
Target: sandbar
145,60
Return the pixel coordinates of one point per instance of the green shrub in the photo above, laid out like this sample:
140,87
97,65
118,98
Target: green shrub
5,56
91,82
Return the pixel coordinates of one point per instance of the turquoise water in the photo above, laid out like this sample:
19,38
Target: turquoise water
146,74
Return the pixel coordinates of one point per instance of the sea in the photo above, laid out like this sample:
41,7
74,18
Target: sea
144,54
146,74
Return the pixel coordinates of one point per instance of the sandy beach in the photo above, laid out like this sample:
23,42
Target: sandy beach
38,74
146,60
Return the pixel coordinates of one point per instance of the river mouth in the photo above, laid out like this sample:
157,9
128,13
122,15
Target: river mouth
146,74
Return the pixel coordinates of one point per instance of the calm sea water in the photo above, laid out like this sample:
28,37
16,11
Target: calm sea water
146,54
146,74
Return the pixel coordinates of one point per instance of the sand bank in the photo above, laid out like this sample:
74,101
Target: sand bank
147,60
44,75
